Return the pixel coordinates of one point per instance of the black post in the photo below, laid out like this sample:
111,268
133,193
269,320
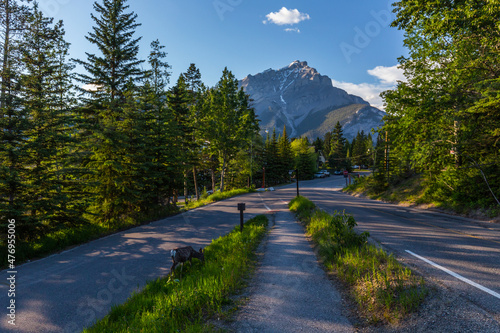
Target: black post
241,208
241,220
297,176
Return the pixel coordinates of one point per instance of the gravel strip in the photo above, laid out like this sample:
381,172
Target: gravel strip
291,292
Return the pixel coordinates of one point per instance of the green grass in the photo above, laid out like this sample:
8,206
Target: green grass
217,196
175,304
71,236
384,290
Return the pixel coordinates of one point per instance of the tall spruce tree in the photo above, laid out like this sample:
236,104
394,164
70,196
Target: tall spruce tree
285,155
158,126
338,151
178,103
44,90
194,84
13,117
110,83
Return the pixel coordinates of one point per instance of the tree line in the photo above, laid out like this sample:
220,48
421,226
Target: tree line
341,154
113,144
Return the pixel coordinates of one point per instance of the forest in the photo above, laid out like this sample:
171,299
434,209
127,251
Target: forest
116,144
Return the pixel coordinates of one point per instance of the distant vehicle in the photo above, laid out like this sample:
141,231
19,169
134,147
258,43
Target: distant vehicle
325,172
337,172
364,167
355,167
319,175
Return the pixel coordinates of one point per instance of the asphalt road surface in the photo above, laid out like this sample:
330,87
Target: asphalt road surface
69,291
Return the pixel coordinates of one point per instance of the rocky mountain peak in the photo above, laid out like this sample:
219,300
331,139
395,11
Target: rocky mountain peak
294,94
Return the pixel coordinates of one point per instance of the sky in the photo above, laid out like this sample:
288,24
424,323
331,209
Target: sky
349,41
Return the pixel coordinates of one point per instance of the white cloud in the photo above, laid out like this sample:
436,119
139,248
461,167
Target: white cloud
91,87
286,17
388,75
370,92
297,30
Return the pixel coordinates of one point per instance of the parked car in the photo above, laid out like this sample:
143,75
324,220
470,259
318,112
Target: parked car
319,175
355,167
337,172
325,172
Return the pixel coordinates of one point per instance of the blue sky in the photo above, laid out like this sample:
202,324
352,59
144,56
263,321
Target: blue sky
350,41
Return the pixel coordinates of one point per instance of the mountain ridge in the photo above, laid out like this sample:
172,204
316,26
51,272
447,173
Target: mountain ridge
299,97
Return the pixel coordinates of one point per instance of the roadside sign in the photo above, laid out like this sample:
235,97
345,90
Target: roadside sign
346,173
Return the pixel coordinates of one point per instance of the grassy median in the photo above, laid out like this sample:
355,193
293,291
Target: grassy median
175,304
384,290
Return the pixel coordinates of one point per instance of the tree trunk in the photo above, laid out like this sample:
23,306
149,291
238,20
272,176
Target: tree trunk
196,183
213,180
185,187
223,173
6,46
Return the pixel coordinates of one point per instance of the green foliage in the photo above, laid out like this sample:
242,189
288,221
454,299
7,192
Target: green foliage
335,233
384,289
305,158
338,151
122,151
445,117
184,303
228,122
217,196
302,207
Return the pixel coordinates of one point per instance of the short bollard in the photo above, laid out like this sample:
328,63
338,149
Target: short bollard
241,208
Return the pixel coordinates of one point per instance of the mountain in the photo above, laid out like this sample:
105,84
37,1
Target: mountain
307,103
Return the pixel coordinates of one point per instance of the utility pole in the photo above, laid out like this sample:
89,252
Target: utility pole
387,150
297,176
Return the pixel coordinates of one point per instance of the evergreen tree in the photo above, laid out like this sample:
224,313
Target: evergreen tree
178,102
110,112
318,144
228,120
194,84
158,125
327,144
286,156
338,151
13,117
193,79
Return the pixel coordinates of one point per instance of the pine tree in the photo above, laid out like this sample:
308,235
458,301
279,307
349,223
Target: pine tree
193,79
228,120
178,102
46,84
158,123
338,151
13,117
285,155
110,112
194,84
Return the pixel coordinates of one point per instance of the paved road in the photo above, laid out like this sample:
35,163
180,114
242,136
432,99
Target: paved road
69,291
461,253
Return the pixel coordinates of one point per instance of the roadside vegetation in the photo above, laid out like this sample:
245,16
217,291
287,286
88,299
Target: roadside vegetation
175,303
384,290
206,199
419,189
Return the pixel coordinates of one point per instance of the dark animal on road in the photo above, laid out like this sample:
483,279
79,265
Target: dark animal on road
183,254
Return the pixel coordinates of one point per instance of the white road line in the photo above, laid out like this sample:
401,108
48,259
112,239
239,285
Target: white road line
269,209
458,276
